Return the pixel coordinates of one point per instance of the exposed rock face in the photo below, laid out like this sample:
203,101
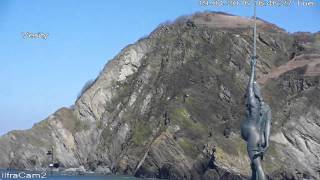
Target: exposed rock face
164,104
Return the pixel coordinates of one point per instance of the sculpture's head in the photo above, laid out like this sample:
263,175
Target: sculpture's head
257,91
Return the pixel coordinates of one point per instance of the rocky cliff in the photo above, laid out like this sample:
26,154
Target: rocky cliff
164,104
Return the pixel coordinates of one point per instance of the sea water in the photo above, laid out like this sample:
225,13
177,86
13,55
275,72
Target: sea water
28,175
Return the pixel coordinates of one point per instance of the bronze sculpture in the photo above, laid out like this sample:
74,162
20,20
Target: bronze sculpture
255,129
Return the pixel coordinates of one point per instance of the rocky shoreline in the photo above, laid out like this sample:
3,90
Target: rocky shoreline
160,106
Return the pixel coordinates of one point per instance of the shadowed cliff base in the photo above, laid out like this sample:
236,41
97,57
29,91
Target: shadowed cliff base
161,106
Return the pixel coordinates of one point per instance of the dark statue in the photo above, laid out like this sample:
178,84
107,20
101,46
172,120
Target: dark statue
255,128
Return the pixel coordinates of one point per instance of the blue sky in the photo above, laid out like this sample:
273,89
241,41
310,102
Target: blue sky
39,76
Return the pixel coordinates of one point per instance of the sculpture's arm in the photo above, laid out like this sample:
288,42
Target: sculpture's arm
250,93
267,128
